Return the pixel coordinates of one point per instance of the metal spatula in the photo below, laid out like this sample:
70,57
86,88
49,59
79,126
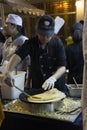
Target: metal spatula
11,83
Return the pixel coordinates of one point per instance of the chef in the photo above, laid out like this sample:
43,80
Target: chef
47,53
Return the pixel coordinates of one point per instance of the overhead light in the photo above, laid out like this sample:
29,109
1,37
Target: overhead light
78,3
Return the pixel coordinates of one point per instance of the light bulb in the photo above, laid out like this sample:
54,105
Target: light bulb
78,3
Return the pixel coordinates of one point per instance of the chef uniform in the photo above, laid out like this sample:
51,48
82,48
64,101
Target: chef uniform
44,62
14,42
9,48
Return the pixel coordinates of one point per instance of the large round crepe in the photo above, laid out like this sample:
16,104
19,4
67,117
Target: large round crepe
47,96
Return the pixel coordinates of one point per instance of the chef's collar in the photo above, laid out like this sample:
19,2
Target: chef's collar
13,38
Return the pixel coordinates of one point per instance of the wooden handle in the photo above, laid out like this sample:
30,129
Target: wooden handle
75,82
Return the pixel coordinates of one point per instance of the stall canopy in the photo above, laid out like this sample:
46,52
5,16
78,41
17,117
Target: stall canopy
22,6
18,6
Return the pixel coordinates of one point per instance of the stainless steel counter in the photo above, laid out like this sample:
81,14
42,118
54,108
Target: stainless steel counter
21,118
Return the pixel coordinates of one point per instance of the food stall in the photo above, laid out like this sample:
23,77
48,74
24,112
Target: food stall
63,114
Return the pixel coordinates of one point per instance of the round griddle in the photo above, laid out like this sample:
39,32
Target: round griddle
35,107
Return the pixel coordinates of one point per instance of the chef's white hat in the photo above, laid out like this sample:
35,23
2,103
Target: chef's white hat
14,19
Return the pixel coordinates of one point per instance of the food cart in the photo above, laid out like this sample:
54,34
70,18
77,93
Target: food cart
19,115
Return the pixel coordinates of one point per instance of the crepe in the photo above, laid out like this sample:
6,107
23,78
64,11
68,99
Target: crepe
50,95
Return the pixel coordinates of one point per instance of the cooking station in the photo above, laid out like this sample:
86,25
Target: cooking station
20,114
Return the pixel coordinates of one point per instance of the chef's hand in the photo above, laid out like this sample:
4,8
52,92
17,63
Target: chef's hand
49,83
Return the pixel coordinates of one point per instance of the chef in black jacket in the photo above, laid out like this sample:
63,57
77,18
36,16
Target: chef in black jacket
48,59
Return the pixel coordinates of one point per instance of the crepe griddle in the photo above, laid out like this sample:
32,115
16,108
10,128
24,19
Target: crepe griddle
34,107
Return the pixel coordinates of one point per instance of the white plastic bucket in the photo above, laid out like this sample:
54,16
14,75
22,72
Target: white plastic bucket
11,92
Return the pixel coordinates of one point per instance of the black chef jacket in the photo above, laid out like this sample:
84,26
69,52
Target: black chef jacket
44,62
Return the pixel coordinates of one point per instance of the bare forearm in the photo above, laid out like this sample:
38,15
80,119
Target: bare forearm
60,71
15,59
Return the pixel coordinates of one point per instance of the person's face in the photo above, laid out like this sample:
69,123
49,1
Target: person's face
9,29
44,39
